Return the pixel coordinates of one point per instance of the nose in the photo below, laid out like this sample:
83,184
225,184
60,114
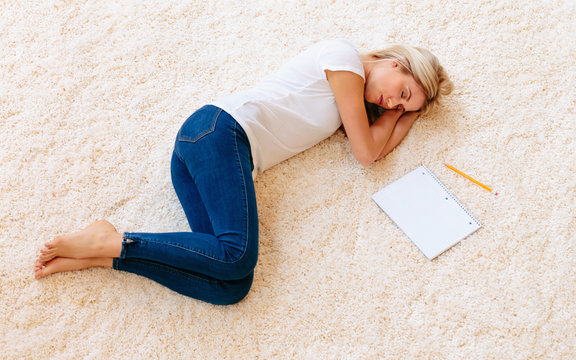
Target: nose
396,103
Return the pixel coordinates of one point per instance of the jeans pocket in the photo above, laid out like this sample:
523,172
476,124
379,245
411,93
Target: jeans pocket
198,125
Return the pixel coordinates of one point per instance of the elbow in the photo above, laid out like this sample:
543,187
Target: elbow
365,159
366,155
366,163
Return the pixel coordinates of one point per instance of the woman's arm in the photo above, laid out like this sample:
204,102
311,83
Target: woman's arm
367,142
403,125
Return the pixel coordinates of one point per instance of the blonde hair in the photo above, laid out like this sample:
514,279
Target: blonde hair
424,67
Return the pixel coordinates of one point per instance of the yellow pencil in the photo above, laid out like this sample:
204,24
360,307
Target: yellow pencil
469,178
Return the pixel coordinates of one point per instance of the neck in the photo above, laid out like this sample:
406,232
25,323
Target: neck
368,63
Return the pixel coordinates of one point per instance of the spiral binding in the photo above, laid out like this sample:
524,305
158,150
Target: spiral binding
451,195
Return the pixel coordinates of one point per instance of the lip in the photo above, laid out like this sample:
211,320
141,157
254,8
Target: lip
380,100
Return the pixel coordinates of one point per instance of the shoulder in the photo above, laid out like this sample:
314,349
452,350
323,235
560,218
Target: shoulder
336,45
339,55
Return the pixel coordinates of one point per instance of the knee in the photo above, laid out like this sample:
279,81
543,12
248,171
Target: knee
234,291
240,268
239,262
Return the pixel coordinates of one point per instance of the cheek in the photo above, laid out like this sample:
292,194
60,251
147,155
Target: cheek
371,90
392,86
420,101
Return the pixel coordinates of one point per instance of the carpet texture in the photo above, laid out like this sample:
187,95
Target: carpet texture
92,94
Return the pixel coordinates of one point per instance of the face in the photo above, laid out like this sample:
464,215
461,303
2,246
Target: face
391,88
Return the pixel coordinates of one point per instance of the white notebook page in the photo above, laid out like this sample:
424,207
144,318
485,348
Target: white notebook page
426,211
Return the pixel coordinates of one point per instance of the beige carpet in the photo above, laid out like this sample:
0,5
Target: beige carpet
93,92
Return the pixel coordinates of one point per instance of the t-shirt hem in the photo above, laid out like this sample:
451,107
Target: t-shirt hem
344,68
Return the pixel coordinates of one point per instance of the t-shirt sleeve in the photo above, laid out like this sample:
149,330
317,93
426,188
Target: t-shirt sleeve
340,55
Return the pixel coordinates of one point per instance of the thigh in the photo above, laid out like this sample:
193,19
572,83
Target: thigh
189,197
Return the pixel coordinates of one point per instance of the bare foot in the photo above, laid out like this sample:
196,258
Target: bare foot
97,240
60,264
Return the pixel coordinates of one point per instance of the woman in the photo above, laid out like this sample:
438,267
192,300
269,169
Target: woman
222,146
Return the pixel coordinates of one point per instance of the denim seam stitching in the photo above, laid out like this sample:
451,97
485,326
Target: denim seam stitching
200,136
179,246
244,192
124,242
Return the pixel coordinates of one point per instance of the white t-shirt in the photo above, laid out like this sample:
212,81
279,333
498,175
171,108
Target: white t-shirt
295,108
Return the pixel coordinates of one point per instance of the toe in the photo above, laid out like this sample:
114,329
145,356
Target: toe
54,243
47,248
44,258
39,264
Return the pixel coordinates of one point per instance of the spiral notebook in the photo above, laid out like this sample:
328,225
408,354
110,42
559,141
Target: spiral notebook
426,211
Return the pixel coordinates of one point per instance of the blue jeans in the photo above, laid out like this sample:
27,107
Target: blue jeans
212,175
